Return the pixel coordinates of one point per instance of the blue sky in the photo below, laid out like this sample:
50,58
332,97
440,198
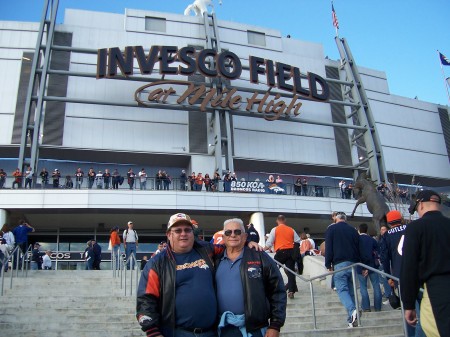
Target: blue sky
396,36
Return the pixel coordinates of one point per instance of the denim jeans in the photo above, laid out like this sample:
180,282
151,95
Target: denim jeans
344,286
130,249
116,256
386,287
365,300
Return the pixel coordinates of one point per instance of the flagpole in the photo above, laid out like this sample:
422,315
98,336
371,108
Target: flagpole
443,75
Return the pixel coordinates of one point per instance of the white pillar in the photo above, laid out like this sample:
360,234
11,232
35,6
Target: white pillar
257,219
3,217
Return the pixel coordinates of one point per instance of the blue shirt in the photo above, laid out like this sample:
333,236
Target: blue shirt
21,233
230,293
195,298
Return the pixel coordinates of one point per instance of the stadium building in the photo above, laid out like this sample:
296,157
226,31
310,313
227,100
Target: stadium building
171,92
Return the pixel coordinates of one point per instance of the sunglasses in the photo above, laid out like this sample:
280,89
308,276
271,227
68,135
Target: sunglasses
181,230
228,232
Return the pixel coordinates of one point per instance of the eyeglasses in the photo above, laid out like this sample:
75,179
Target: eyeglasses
181,230
228,232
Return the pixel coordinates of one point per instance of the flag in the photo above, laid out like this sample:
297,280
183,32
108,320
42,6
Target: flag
445,61
335,19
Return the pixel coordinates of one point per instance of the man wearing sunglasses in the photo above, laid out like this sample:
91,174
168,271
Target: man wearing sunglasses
426,264
250,290
176,294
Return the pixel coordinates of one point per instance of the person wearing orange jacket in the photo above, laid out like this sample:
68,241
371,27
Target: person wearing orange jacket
115,246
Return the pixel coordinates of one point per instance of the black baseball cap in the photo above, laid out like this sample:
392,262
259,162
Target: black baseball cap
424,196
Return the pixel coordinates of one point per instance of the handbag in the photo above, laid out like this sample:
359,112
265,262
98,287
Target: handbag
394,300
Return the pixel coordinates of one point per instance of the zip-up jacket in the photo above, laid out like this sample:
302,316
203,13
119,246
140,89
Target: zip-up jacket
264,292
156,291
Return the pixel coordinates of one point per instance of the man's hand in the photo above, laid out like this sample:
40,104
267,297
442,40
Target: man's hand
255,246
410,317
272,333
391,283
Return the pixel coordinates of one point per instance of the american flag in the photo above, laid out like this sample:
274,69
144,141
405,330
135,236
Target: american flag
334,16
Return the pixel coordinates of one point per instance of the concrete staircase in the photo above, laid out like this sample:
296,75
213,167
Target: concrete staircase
69,303
91,303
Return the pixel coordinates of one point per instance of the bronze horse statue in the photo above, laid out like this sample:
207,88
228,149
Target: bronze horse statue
367,193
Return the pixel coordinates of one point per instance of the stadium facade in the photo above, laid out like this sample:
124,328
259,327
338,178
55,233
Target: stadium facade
171,92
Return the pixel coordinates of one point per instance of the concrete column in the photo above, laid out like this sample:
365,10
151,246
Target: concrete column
257,219
3,217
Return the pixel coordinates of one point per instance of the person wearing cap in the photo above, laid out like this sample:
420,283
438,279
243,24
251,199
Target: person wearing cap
56,175
257,304
252,233
391,257
46,261
282,238
426,246
342,250
99,179
130,243
176,294
183,180
21,235
36,257
114,240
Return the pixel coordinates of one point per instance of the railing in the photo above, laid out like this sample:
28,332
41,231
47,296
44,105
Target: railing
19,262
126,273
354,273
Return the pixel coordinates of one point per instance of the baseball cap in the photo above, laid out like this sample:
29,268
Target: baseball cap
130,222
37,244
424,196
177,219
393,217
194,222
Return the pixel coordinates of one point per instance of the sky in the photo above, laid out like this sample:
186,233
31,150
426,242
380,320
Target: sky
398,37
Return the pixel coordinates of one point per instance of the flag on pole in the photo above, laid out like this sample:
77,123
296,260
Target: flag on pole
445,61
334,16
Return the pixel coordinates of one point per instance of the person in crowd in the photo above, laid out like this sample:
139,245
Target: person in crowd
17,178
176,294
107,179
270,179
130,178
257,304
183,180
21,236
8,237
56,175
305,245
342,250
46,260
191,180
369,254
114,239
217,238
304,187
89,256
313,243
130,243
142,179
166,181
97,250
207,181
144,262
252,233
91,177
278,180
79,174
99,180
4,254
197,230
29,173
36,257
115,179
215,181
233,176
349,191
44,177
282,238
391,259
342,187
158,180
298,186
159,250
227,182
387,290
198,182
427,254
3,176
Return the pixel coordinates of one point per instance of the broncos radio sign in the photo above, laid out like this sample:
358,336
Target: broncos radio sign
258,187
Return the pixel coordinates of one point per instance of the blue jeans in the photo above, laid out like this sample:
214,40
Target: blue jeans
344,287
116,256
386,287
129,249
365,301
144,185
184,333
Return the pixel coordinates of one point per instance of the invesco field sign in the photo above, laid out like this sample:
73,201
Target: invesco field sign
227,65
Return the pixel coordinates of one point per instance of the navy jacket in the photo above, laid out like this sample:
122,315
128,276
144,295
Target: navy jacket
341,244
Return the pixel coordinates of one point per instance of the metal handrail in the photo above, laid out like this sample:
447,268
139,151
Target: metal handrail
353,267
14,256
124,272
